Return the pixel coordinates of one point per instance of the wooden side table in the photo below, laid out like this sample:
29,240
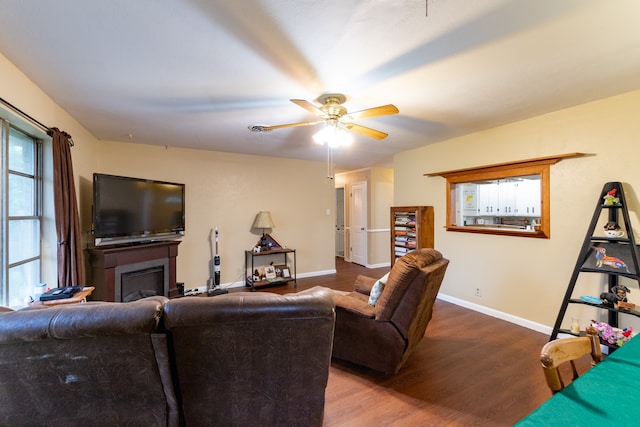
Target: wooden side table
249,268
78,297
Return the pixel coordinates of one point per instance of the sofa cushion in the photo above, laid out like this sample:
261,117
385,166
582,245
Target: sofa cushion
423,258
83,364
262,358
363,284
354,302
401,276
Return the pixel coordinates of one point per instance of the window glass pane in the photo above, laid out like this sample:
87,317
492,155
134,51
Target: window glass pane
21,153
20,240
511,203
21,196
22,283
24,239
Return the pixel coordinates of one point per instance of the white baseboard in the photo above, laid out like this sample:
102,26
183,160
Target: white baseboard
498,314
316,273
380,265
298,276
232,285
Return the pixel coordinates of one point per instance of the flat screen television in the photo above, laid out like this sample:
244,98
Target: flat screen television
135,210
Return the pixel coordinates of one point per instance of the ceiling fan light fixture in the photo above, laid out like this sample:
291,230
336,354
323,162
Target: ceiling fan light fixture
343,138
319,137
333,136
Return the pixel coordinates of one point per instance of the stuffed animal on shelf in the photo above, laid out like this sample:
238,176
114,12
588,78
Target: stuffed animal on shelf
610,198
621,292
618,294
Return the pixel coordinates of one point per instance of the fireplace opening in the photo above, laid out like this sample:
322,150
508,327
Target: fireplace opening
142,280
143,283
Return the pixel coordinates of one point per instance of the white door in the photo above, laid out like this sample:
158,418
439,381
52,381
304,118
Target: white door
358,223
340,222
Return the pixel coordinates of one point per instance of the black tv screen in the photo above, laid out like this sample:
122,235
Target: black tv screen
133,209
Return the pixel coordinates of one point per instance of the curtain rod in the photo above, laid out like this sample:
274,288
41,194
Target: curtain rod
31,119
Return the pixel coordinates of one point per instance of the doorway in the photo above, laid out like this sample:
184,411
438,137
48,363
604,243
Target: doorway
358,223
340,222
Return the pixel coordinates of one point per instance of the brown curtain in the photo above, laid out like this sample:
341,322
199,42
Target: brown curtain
66,211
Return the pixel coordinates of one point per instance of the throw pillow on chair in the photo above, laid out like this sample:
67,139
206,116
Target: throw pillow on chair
377,289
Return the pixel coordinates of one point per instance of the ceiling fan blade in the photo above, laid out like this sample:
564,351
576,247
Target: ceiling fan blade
372,133
266,128
382,110
308,106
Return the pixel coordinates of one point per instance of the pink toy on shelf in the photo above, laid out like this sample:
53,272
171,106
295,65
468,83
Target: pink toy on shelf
613,335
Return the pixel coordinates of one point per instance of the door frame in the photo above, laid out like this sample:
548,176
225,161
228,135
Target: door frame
358,230
341,234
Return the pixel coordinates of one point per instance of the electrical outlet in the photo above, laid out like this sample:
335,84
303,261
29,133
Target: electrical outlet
478,292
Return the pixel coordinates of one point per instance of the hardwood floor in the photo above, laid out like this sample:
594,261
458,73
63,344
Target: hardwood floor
470,369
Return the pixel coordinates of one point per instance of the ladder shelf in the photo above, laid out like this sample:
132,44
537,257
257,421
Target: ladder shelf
614,256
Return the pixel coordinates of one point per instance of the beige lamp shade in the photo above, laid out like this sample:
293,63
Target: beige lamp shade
263,220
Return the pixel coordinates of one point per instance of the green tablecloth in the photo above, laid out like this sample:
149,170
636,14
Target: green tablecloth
607,394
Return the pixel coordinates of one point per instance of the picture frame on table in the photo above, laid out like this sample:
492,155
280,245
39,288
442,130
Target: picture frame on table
286,273
270,272
279,268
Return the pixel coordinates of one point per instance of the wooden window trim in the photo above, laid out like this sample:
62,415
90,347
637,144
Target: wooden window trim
536,166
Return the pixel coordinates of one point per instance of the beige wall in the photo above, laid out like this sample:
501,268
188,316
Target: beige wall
224,190
17,89
379,199
228,190
523,277
381,193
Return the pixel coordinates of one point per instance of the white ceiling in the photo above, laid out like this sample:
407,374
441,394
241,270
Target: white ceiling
197,73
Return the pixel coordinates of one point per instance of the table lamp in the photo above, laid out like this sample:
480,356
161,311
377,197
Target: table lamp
263,220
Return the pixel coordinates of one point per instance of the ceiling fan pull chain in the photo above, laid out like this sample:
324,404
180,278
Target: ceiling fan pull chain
329,162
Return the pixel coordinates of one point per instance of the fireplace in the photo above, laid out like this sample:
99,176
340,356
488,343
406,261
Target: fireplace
141,280
129,273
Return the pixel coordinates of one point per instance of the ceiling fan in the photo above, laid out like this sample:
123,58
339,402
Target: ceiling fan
335,115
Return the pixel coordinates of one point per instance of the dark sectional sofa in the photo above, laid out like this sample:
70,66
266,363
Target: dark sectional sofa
240,359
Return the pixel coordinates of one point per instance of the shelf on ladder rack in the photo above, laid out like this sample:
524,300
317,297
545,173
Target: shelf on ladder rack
614,257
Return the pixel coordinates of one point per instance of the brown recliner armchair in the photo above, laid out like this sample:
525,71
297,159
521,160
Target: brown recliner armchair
252,359
382,336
